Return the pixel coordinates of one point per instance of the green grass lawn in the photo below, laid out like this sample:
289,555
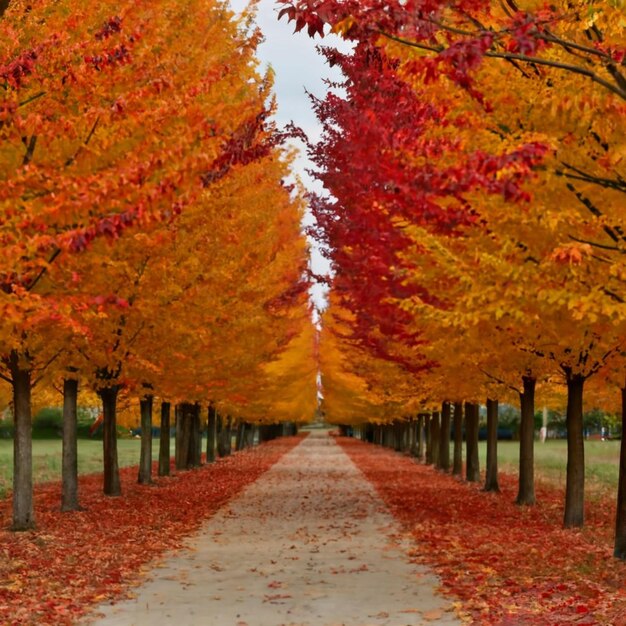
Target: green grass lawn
47,458
601,461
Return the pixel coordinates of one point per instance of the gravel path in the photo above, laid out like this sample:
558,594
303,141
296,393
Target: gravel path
309,544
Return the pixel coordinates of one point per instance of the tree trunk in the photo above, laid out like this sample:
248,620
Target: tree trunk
250,435
186,437
413,437
428,437
228,436
457,458
164,440
574,515
444,438
241,430
221,439
526,486
210,434
145,454
619,549
178,423
472,466
23,512
200,430
420,437
4,5
69,470
195,440
398,436
111,473
491,475
435,428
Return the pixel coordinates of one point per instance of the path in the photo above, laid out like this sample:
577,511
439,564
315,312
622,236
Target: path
308,544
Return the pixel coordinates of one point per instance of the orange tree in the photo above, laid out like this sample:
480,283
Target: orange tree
459,176
114,122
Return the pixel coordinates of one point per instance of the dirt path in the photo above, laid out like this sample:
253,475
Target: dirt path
308,544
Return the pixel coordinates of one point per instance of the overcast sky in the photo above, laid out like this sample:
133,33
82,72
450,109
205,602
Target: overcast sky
299,68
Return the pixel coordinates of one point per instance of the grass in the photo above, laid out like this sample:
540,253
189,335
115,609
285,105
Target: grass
601,459
601,462
47,458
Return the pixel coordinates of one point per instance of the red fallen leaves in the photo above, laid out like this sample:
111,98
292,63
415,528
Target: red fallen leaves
74,560
508,565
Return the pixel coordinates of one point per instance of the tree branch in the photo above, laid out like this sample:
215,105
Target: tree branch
30,149
4,5
43,270
511,56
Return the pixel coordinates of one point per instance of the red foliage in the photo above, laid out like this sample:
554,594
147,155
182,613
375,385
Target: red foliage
508,565
74,560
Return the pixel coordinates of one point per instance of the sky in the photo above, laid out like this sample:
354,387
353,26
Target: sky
298,68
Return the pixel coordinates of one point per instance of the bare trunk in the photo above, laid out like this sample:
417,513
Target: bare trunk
491,474
145,454
4,5
619,549
69,469
111,472
574,515
420,437
228,436
195,438
164,440
178,421
457,458
444,438
250,435
526,486
221,436
428,436
23,512
435,428
211,433
472,467
184,458
241,430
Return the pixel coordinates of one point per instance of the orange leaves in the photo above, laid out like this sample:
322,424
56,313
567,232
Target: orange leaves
74,560
506,564
572,254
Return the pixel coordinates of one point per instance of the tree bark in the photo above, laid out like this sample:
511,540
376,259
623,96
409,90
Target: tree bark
23,511
241,431
4,5
195,442
457,458
435,428
250,436
111,473
186,438
574,515
444,438
164,440
526,485
472,467
420,434
228,436
221,440
178,423
491,474
69,469
619,549
428,438
210,434
413,437
398,436
145,454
